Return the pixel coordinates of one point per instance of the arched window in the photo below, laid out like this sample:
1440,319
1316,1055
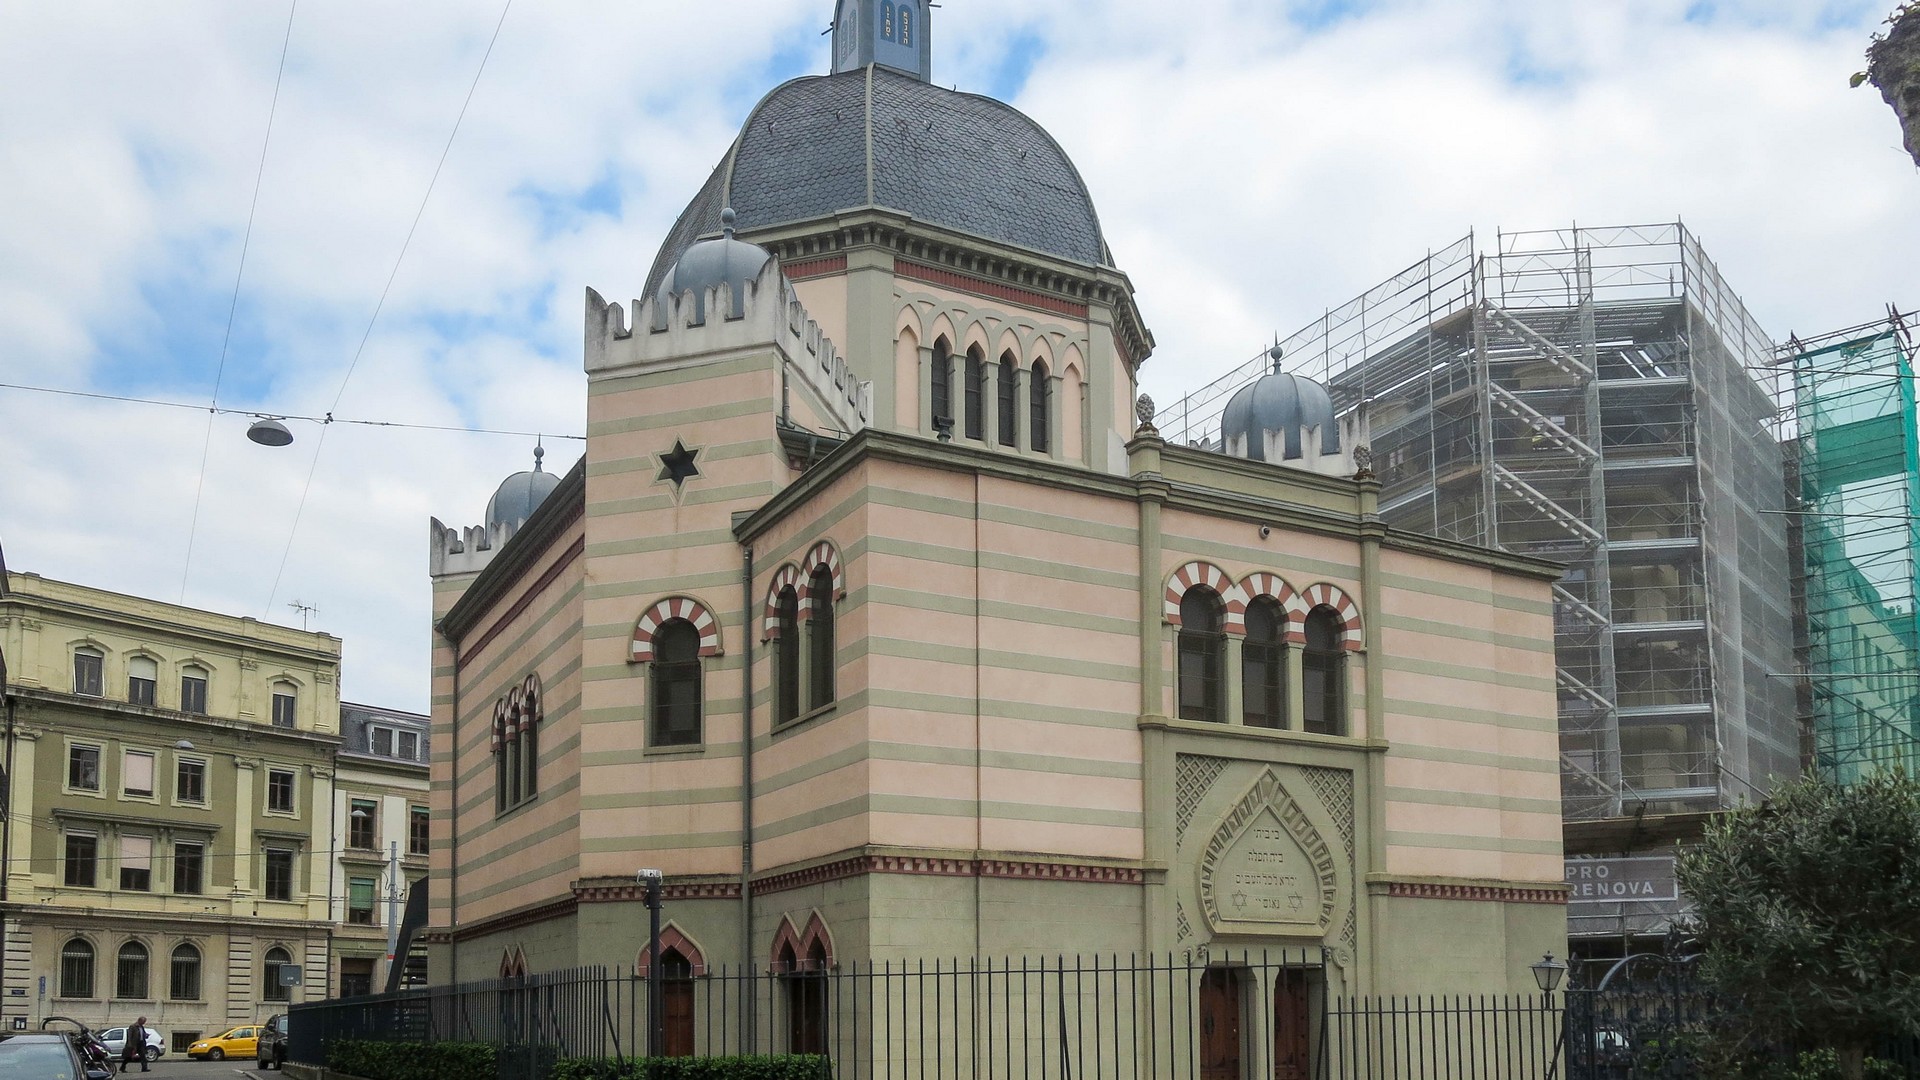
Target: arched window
130,975
193,689
1008,386
906,24
806,1001
529,741
940,384
76,969
1325,674
89,664
676,684
820,644
270,988
676,1003
1263,666
886,19
1040,401
286,699
976,391
143,677
183,983
1202,653
786,657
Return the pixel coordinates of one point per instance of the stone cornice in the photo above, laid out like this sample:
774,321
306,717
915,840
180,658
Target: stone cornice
1477,889
116,711
205,627
525,916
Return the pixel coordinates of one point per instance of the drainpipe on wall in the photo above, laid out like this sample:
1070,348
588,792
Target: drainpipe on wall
746,789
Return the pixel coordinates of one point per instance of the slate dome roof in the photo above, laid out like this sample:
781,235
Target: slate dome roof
961,161
724,261
1281,402
519,495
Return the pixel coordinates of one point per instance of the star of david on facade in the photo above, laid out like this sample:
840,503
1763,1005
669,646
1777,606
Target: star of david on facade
677,465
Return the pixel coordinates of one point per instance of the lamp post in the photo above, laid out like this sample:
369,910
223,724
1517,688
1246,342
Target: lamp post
650,882
1547,973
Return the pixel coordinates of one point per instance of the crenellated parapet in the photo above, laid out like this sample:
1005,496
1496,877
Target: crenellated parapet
465,550
679,329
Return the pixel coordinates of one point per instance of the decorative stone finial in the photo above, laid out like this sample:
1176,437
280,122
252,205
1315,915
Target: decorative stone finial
727,218
1143,409
1363,462
538,453
1274,354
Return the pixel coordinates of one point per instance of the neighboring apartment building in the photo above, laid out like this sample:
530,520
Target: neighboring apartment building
380,836
174,813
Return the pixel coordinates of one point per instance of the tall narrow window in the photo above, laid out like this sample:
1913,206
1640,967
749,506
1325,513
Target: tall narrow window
821,660
419,831
786,652
1202,650
88,665
280,791
1263,666
189,869
270,987
363,815
940,384
193,690
83,768
190,781
183,983
530,716
76,969
1006,392
130,977
277,881
1325,674
136,774
143,675
976,389
1040,402
284,700
136,863
676,684
82,855
360,901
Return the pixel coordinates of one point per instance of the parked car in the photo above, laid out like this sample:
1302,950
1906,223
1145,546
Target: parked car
46,1056
272,1050
115,1040
237,1042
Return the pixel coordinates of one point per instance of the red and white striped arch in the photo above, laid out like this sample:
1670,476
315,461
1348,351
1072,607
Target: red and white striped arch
787,576
1324,595
821,554
1199,573
675,607
1262,583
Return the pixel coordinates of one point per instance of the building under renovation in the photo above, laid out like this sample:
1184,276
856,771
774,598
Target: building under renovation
1590,396
1849,411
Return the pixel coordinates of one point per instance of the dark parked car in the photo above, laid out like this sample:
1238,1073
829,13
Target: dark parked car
273,1042
45,1057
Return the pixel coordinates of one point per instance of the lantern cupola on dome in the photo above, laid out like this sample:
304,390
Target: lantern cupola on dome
1289,419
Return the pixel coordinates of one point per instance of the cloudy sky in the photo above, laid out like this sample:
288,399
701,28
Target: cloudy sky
1253,164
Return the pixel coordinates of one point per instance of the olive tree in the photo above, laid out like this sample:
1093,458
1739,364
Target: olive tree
1807,908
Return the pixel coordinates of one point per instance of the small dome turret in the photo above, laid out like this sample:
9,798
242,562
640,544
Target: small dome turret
723,261
1278,412
519,495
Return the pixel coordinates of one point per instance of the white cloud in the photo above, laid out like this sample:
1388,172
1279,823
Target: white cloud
1249,171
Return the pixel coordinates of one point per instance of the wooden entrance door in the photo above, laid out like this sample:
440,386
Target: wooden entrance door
1290,1026
1220,1025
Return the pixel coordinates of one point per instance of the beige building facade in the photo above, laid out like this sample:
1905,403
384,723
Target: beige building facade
878,618
174,812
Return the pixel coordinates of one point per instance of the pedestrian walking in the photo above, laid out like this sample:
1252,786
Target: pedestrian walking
135,1048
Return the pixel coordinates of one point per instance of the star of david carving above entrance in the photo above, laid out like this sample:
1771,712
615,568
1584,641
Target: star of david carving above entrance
677,465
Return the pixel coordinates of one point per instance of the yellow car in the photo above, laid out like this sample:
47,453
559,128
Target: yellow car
240,1042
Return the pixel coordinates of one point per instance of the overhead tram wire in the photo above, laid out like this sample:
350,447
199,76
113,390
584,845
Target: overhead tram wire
320,443
233,305
322,420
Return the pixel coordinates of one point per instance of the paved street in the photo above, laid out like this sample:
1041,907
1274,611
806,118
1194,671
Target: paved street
181,1067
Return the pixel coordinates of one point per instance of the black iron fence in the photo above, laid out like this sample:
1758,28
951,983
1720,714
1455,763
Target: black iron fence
1278,1014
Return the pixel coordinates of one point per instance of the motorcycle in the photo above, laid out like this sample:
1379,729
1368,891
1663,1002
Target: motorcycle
93,1053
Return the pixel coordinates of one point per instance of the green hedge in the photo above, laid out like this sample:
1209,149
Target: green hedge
413,1061
794,1067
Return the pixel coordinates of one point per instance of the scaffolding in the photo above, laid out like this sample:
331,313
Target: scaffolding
1849,408
1584,395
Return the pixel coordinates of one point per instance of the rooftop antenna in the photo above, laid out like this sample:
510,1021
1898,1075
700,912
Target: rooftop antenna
304,610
